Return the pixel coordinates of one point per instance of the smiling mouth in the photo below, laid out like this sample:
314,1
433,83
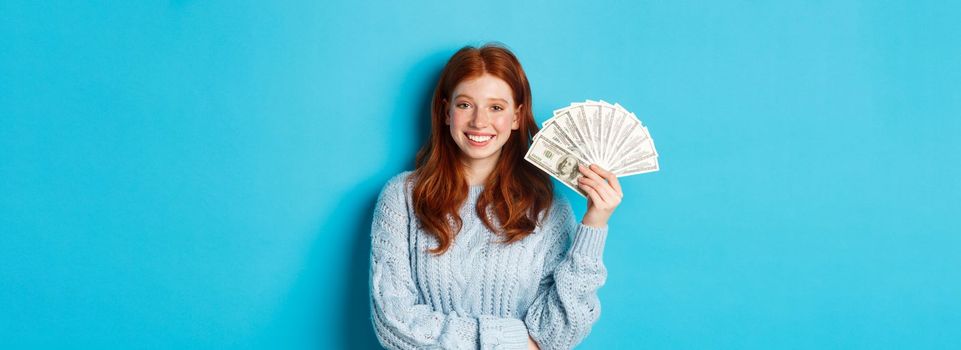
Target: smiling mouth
478,138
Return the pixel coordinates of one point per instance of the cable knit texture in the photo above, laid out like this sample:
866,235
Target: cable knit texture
481,293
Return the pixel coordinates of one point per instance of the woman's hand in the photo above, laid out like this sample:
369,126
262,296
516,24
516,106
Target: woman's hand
603,192
531,344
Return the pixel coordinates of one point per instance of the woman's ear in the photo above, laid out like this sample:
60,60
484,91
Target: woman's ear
516,124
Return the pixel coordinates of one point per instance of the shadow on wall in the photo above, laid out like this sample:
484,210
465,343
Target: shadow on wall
410,118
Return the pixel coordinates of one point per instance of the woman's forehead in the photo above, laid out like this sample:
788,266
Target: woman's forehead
484,87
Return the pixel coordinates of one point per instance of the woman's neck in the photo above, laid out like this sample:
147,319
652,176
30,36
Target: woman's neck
479,169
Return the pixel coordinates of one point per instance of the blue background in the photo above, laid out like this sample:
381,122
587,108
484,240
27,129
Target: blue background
201,174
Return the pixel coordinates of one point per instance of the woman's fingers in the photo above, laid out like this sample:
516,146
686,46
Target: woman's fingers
611,178
596,198
590,173
604,193
611,184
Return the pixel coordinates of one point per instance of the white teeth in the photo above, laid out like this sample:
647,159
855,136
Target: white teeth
478,138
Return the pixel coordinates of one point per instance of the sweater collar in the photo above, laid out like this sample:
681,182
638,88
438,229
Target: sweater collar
474,190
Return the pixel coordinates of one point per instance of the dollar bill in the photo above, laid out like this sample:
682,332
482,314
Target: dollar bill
592,114
557,161
604,137
630,133
618,122
567,126
635,151
553,131
641,167
594,132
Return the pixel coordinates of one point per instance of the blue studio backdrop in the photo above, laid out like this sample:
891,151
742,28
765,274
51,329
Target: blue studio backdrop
201,174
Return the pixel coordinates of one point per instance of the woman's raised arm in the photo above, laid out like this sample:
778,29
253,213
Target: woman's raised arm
566,305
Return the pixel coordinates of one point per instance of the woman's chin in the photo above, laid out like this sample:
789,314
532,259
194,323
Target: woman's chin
474,155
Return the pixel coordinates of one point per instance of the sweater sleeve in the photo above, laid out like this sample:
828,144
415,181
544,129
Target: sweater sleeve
399,321
567,305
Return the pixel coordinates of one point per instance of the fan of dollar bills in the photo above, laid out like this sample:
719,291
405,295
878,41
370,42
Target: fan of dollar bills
592,132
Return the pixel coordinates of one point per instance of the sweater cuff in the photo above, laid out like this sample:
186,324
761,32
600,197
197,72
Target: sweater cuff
502,333
461,332
589,241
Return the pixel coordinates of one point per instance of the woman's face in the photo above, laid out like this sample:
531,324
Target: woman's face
481,114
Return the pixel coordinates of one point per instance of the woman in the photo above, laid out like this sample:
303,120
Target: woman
472,249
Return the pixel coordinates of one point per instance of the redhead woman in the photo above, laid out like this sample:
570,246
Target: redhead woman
473,249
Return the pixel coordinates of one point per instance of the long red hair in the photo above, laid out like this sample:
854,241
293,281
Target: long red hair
516,192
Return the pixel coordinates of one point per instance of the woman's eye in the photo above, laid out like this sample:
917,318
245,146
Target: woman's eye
497,108
463,105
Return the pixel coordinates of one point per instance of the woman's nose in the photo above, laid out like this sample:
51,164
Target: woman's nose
480,119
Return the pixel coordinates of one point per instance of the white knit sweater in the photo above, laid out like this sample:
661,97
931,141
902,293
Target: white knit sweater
482,293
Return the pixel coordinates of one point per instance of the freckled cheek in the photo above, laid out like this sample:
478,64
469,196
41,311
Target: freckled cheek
459,118
502,123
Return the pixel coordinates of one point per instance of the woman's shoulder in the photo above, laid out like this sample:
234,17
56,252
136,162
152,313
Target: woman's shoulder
397,187
400,179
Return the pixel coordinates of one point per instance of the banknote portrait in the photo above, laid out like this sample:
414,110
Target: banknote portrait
567,167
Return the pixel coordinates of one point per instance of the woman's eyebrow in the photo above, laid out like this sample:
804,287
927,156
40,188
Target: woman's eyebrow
489,99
